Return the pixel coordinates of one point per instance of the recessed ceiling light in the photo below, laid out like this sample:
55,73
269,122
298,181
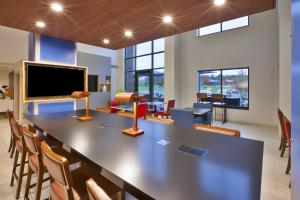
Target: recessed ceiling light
219,2
106,41
56,7
167,19
128,33
40,24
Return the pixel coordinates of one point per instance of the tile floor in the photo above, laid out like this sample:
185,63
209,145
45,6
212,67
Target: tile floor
274,182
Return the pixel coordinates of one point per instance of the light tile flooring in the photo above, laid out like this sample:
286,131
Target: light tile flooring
274,182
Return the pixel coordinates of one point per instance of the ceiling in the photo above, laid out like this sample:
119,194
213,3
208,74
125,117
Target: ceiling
90,21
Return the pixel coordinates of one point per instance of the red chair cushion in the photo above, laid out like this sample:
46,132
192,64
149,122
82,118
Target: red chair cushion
113,104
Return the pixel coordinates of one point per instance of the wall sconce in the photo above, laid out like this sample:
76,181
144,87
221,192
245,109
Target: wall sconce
126,98
81,95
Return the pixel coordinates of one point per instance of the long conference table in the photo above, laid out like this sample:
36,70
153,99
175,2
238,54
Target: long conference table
166,162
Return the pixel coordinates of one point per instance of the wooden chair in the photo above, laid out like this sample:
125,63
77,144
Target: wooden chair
287,131
283,140
142,111
218,99
171,104
12,143
35,160
70,185
215,129
202,97
20,148
160,120
95,192
113,104
105,110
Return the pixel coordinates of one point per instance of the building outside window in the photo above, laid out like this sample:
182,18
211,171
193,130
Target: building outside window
232,83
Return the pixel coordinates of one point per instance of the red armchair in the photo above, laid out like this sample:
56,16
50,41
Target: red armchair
171,104
113,104
287,132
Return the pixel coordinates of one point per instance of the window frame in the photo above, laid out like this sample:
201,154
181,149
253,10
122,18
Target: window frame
221,85
136,72
221,25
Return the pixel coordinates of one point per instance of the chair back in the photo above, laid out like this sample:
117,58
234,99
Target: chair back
9,115
219,130
280,117
16,128
95,192
113,104
160,120
183,117
171,104
142,110
217,97
202,97
287,130
32,141
142,100
58,168
203,105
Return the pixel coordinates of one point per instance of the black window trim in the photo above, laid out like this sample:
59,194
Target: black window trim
136,72
221,85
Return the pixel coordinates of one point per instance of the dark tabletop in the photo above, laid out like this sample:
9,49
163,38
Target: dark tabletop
231,170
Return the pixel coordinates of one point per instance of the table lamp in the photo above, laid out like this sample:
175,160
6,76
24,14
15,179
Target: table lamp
126,98
80,95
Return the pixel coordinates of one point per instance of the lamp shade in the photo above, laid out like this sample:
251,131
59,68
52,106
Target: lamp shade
79,94
126,97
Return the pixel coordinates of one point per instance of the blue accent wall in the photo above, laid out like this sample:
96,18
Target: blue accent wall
295,99
52,50
55,107
57,50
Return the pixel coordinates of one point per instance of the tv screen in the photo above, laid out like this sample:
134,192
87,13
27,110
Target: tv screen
52,81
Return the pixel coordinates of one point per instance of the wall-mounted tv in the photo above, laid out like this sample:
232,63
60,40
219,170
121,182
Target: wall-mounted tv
49,81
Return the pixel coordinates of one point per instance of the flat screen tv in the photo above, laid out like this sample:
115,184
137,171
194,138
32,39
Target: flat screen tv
47,81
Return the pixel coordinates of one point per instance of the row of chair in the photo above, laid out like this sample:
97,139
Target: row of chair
69,178
285,141
200,127
142,109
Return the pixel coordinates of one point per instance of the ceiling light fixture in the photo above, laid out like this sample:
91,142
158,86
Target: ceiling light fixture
106,41
219,2
167,19
128,33
56,7
40,24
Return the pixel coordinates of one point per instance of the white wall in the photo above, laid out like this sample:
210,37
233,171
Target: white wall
85,48
14,46
3,77
254,46
284,29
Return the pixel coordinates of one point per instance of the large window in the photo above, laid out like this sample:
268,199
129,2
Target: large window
224,26
144,69
232,83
